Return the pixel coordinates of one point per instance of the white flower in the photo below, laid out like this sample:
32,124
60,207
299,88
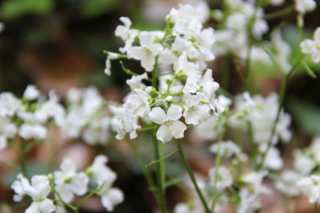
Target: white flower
125,121
135,81
310,186
102,173
110,197
128,35
170,124
273,160
209,129
276,2
227,149
138,100
224,178
195,112
31,93
303,164
315,147
147,52
32,131
7,131
68,182
237,21
111,56
303,6
38,191
183,67
9,104
288,185
312,47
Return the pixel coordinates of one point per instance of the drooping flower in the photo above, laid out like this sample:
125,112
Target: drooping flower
170,124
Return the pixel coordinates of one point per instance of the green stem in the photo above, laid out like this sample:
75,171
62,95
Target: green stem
158,173
225,72
88,195
315,207
186,164
145,171
59,197
217,165
282,96
162,159
129,72
22,158
280,13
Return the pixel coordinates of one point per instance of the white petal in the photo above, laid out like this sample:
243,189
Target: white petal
174,112
164,133
79,183
107,203
146,39
148,61
136,52
156,48
126,21
46,206
157,115
317,36
308,46
33,208
177,129
68,167
116,196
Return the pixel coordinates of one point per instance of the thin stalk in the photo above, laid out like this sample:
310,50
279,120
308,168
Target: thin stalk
89,195
162,159
279,14
13,166
315,207
225,72
22,158
145,171
282,96
159,176
217,165
186,164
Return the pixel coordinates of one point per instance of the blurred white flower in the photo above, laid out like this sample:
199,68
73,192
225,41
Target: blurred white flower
312,47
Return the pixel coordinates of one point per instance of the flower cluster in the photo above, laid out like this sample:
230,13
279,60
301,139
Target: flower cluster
67,183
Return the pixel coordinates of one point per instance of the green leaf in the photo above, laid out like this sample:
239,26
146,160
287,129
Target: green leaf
306,115
14,9
92,8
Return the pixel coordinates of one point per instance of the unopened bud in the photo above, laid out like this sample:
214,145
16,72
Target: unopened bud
168,81
169,98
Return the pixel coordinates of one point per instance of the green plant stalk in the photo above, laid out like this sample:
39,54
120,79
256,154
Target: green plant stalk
89,195
280,13
59,197
162,159
145,171
160,182
225,72
186,164
315,207
282,96
22,158
217,165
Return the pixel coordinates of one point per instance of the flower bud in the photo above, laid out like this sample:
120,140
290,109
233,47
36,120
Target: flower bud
169,98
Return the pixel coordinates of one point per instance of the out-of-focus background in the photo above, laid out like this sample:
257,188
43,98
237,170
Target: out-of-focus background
58,44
